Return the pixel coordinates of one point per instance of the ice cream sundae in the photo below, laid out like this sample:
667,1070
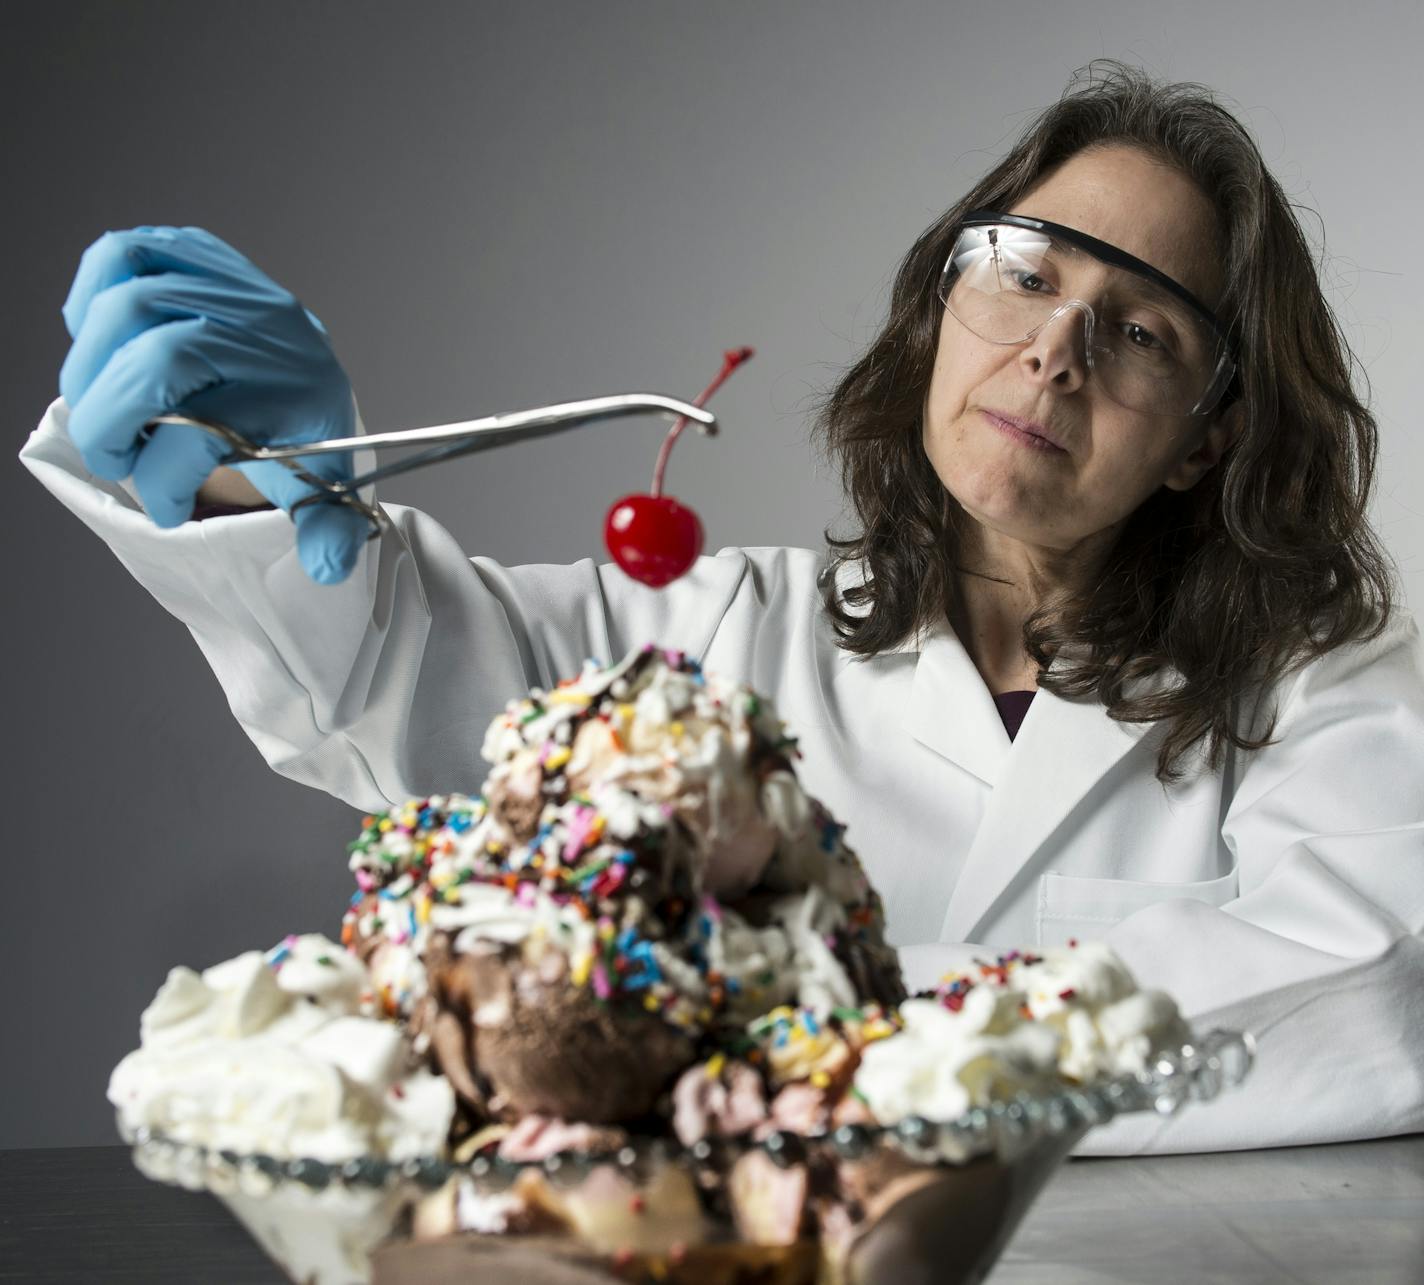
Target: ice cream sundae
629,1012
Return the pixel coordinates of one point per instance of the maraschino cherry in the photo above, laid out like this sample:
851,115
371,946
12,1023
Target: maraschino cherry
653,537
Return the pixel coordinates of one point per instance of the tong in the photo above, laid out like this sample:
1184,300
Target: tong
441,442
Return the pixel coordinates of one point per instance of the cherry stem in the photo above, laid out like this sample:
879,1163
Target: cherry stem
730,361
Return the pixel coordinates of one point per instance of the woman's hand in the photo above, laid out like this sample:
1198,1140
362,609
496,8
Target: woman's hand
173,320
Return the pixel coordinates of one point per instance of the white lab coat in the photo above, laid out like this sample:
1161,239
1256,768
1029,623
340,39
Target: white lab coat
1282,895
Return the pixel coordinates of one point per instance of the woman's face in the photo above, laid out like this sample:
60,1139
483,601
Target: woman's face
1074,499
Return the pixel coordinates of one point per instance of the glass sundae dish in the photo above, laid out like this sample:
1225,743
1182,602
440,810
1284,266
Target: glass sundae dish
629,1013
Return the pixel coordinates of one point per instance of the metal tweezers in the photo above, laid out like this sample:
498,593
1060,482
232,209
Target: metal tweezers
442,442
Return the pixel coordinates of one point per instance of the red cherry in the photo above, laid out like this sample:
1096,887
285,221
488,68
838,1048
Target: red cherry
652,537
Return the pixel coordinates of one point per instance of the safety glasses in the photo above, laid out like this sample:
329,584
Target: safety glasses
1151,344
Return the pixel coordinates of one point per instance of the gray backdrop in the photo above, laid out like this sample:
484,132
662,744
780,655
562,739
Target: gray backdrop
493,206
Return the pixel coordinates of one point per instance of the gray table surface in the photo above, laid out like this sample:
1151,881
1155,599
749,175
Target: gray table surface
1344,1215
1350,1214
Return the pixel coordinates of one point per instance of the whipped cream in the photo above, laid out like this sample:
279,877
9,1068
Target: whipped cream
276,1055
1109,1027
1026,1023
941,1063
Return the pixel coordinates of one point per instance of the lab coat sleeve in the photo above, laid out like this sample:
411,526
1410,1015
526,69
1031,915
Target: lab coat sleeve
378,689
1320,955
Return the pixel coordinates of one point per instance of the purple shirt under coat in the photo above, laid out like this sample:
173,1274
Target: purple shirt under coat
1012,707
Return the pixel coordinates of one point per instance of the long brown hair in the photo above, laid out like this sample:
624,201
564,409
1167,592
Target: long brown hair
1267,562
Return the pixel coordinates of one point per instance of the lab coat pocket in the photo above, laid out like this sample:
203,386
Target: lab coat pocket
1070,906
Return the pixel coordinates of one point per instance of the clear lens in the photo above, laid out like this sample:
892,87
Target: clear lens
1150,351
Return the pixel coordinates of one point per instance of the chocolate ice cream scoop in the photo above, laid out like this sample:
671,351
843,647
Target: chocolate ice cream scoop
542,1046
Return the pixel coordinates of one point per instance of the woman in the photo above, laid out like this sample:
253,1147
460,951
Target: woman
1105,451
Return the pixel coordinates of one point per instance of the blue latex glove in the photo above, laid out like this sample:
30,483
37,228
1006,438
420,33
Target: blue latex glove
175,320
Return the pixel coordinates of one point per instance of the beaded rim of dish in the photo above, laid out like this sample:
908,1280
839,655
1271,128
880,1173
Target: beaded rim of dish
1196,1072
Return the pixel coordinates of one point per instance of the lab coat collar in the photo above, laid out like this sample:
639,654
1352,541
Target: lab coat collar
951,710
1062,751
